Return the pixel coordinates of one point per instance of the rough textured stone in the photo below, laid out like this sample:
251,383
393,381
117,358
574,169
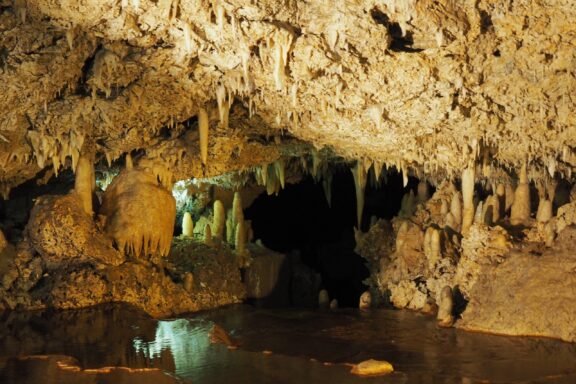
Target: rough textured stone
65,235
531,293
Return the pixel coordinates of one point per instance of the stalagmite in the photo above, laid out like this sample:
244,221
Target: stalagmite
237,210
219,222
544,213
360,184
456,210
129,164
491,210
407,205
467,198
187,225
444,207
240,238
434,247
479,213
208,235
520,213
365,301
85,182
423,192
230,227
509,197
188,282
445,317
203,124
549,234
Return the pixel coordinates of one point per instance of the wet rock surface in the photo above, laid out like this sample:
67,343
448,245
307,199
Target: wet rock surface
305,346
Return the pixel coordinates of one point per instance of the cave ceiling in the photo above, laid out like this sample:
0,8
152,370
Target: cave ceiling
425,86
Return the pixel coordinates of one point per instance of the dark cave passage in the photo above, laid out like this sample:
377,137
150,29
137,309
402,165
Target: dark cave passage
299,221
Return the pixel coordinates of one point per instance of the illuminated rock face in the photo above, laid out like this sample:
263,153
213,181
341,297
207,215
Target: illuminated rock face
467,95
139,214
64,234
426,88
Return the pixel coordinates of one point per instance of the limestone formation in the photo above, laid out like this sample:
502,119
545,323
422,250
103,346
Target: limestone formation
445,317
219,220
208,235
64,235
259,94
365,301
139,213
520,213
187,225
85,182
467,198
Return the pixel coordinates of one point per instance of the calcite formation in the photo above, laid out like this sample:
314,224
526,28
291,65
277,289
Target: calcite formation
139,213
475,98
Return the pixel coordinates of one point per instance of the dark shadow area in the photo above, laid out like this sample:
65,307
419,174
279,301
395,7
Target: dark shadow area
15,212
300,222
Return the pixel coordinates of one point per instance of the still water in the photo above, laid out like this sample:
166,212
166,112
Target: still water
302,346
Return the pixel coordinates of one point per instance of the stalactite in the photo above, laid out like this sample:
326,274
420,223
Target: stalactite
279,169
281,45
203,124
404,176
219,221
520,213
85,180
360,184
224,104
187,225
467,198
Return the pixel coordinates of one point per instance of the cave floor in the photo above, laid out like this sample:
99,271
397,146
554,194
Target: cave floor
274,346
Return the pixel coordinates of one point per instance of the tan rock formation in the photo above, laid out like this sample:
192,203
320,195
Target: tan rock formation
139,213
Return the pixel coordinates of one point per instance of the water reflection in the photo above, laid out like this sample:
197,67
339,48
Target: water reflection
182,342
302,341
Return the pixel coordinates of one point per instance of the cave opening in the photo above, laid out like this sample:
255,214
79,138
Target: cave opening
300,222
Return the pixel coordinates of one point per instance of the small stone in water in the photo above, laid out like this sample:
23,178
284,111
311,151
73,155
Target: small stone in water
372,368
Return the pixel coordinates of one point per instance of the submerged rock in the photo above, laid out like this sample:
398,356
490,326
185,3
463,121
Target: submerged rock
372,368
